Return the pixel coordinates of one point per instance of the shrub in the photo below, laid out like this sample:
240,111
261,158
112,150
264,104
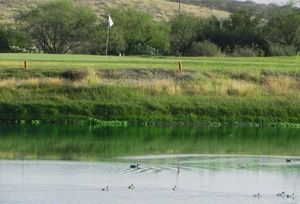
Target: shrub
74,75
282,50
244,52
205,48
144,50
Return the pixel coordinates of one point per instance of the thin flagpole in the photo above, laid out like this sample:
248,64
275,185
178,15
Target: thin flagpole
107,39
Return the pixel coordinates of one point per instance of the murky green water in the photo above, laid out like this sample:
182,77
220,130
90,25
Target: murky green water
85,143
208,165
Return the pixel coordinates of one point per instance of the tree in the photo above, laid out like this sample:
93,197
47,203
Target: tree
117,42
183,33
58,26
141,33
11,36
133,33
244,30
4,38
283,27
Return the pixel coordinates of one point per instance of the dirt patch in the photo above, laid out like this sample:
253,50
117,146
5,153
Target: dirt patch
143,74
74,75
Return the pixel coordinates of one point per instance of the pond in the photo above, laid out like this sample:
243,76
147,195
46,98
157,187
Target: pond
71,164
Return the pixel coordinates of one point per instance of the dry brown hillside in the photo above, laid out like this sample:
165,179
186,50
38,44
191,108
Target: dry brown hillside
162,9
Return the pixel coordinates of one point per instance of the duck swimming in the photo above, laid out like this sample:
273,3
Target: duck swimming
132,166
105,189
258,195
174,188
289,160
292,196
131,187
282,194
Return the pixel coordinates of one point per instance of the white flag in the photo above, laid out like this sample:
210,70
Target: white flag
110,21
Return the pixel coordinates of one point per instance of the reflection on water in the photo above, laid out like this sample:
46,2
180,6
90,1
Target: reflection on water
201,179
85,143
189,158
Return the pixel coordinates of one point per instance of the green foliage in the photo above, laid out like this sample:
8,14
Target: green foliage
239,30
282,50
244,52
210,89
58,26
104,123
243,30
205,48
10,37
4,38
133,33
283,28
138,33
97,44
183,33
185,109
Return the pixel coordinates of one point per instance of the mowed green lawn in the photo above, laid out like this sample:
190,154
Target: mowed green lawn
47,61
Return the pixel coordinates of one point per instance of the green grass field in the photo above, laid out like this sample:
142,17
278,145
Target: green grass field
45,61
58,88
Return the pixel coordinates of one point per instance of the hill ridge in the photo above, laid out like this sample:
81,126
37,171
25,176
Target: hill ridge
161,9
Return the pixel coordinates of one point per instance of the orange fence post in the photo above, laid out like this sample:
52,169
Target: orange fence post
180,67
25,64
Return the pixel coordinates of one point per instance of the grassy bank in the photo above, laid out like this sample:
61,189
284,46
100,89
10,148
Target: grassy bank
68,87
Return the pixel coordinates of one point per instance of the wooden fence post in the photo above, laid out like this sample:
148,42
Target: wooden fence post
25,64
180,67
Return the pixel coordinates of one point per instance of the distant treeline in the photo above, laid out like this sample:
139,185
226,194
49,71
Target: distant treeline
62,27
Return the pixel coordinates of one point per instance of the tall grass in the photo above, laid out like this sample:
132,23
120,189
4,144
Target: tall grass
206,84
281,85
155,94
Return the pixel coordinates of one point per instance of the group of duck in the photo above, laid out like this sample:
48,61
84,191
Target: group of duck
258,195
132,187
174,188
282,194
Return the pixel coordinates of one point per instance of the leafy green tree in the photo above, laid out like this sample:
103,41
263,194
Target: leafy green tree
97,44
241,29
58,26
212,30
139,31
184,29
133,33
4,38
244,30
10,36
283,27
